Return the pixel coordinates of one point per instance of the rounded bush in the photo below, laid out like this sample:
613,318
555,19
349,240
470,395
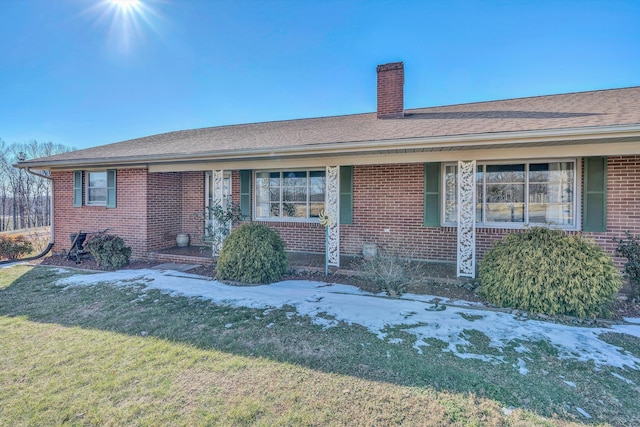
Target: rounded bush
252,253
551,272
109,251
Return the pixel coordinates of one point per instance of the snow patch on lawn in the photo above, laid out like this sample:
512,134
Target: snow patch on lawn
414,314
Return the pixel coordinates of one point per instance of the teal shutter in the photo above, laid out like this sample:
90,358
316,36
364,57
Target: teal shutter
111,188
346,194
77,189
431,195
595,194
245,194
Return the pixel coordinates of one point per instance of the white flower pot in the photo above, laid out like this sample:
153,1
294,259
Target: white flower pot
182,239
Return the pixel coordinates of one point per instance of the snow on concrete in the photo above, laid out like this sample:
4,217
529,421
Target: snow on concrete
327,305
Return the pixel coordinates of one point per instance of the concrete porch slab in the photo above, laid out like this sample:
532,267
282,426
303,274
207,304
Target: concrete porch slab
175,266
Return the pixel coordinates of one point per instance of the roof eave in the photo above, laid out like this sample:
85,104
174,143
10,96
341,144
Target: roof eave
505,139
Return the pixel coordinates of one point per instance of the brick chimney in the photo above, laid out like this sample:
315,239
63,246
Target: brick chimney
391,90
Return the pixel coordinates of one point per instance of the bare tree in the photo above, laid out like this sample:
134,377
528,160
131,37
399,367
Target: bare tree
24,197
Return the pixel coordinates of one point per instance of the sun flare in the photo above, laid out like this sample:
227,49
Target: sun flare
125,5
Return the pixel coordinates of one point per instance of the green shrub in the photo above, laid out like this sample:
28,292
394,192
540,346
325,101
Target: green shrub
109,251
252,253
548,271
14,247
630,249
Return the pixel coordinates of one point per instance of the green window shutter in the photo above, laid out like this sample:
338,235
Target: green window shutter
595,194
77,189
111,188
245,194
431,195
346,194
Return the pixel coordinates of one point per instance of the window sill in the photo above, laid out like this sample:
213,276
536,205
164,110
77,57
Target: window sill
494,226
289,220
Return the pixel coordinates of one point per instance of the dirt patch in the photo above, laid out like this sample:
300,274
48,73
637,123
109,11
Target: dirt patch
88,263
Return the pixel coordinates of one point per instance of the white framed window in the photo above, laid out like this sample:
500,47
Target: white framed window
96,189
291,195
516,194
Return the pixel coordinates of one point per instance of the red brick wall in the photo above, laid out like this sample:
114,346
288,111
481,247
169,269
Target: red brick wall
175,205
390,197
299,236
164,209
193,202
153,207
128,219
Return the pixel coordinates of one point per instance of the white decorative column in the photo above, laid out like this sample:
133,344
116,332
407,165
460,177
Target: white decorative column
332,209
466,218
218,200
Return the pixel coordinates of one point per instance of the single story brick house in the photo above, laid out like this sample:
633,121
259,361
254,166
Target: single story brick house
439,183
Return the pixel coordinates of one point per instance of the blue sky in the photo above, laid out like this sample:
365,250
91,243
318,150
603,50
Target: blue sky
84,73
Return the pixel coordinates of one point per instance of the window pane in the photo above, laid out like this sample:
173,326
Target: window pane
97,179
316,189
505,173
505,212
315,208
551,193
504,202
294,210
97,195
263,192
294,190
294,179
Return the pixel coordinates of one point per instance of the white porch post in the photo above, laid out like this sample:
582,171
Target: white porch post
218,199
332,208
466,218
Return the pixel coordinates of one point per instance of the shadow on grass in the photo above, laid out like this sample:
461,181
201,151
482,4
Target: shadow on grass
281,336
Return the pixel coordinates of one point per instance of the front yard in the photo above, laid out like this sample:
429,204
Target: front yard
86,351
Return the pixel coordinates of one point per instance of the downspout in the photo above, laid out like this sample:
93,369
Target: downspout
51,240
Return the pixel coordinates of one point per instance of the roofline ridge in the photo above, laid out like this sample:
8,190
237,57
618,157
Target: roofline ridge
523,98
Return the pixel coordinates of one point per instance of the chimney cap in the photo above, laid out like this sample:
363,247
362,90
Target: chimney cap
390,66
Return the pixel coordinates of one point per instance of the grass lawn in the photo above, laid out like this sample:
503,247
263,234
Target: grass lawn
106,355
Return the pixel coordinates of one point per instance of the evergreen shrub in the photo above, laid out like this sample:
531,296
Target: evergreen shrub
109,251
630,249
252,253
549,271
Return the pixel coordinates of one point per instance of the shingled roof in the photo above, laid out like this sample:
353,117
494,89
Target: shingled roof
583,111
